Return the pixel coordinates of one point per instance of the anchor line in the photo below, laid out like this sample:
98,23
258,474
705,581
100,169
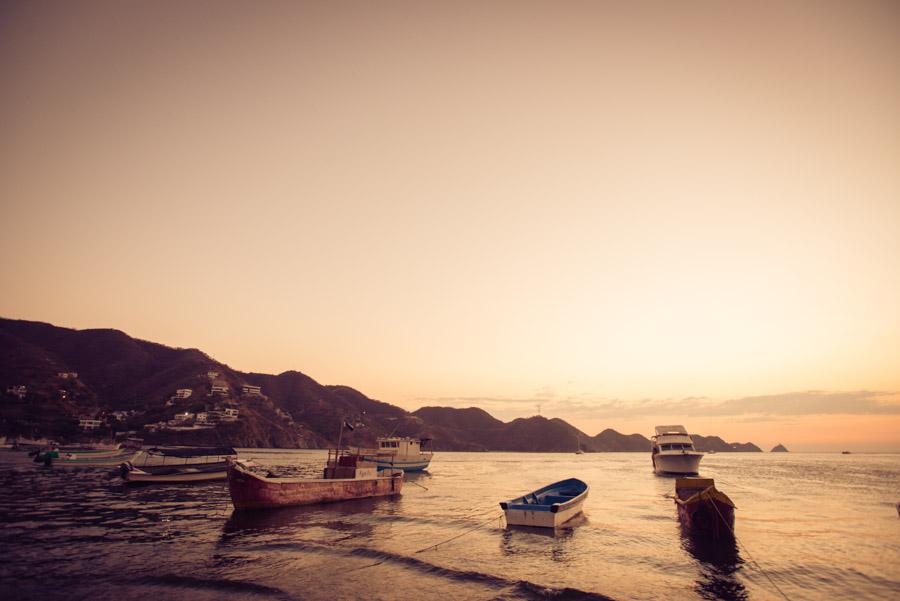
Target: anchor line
749,556
453,538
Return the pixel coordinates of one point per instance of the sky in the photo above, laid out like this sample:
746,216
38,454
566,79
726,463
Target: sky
621,214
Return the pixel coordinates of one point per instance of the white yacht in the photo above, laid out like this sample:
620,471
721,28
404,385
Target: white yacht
673,451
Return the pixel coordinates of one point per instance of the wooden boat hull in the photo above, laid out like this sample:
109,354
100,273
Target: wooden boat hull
252,491
407,466
68,459
198,472
542,519
545,508
140,476
703,509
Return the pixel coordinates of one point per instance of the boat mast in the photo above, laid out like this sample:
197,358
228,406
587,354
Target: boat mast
338,451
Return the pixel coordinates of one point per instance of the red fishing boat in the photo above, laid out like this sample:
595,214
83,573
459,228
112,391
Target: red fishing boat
703,509
347,476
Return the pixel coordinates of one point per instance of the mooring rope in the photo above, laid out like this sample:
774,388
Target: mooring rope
749,555
434,546
453,538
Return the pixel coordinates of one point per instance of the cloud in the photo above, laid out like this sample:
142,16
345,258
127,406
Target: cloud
750,408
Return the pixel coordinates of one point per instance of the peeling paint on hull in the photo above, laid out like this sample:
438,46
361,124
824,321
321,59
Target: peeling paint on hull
251,491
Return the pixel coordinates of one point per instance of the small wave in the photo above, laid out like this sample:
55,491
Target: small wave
515,589
216,584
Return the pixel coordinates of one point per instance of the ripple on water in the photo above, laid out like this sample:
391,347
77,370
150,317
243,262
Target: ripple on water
101,540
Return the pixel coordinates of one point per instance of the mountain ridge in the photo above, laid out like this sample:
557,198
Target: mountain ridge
95,373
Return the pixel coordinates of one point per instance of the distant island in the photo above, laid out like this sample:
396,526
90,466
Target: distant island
780,448
77,385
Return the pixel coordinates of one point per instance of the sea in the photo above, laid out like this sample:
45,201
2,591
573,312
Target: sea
808,526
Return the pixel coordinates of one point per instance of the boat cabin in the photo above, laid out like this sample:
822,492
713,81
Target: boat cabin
403,446
343,465
672,438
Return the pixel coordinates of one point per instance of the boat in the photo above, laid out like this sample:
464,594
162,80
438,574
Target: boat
673,452
347,475
547,507
178,464
396,452
845,452
703,509
578,450
86,457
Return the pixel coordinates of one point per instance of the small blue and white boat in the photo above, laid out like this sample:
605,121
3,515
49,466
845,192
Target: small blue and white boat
547,507
400,452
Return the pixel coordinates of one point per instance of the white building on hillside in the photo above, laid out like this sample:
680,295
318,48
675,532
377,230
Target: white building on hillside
19,391
219,389
183,393
88,423
252,390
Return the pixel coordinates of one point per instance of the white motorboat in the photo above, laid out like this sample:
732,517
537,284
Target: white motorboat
673,451
399,452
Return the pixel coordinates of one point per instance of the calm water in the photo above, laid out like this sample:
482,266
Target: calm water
821,526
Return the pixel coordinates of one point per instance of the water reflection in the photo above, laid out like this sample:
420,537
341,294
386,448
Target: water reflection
718,562
333,516
557,544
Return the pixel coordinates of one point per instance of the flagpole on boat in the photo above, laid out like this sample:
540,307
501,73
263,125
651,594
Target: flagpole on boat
340,437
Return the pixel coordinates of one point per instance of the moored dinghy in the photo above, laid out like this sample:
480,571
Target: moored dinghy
178,464
704,509
347,476
83,457
547,507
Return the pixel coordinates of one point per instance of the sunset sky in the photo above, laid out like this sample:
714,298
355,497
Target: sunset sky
628,213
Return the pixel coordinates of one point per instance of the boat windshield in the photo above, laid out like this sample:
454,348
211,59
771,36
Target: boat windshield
676,447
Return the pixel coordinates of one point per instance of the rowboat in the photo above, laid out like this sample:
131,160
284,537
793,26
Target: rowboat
346,476
547,507
178,464
79,457
703,509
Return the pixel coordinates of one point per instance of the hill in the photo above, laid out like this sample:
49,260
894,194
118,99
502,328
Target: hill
714,443
92,384
779,448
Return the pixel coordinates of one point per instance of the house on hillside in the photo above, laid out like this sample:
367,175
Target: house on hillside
219,389
89,423
212,375
67,375
251,390
229,415
183,393
19,391
119,416
184,417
